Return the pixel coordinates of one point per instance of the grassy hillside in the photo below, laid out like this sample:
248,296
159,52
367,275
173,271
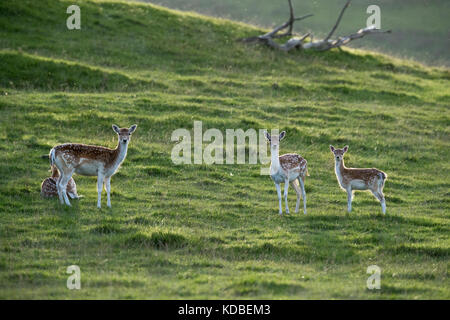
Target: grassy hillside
212,231
419,26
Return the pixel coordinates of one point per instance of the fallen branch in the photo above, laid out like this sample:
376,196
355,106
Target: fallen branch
299,42
269,36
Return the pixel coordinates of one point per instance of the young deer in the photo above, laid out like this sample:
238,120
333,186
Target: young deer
49,189
351,179
88,160
287,168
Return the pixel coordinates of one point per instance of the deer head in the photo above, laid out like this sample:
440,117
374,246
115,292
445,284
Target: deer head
338,153
275,139
124,134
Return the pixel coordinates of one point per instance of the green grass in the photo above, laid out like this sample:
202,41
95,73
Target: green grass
212,231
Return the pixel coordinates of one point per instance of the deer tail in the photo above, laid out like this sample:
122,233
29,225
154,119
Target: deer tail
304,175
52,158
382,178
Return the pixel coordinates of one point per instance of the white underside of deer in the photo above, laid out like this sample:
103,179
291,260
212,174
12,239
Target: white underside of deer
88,160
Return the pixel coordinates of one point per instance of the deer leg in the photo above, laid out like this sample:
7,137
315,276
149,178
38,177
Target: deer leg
277,185
349,199
383,202
382,199
302,185
59,189
100,179
58,186
380,196
286,188
63,180
298,191
108,190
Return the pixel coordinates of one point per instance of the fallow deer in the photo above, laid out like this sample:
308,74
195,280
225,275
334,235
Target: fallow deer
49,189
351,179
287,168
89,160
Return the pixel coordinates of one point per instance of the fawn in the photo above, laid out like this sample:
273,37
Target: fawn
88,160
49,189
351,179
287,168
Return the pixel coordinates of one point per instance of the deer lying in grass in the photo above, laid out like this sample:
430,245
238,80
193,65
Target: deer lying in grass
49,189
351,179
88,160
287,168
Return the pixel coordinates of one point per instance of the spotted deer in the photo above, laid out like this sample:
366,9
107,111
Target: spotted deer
49,189
351,179
288,168
89,160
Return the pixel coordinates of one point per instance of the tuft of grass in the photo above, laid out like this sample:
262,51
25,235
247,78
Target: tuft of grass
107,229
159,171
158,240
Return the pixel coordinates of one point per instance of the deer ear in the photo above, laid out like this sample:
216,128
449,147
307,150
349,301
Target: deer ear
332,148
132,128
116,128
345,148
282,135
267,135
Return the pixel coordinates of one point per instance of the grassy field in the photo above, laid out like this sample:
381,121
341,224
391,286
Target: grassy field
213,231
420,27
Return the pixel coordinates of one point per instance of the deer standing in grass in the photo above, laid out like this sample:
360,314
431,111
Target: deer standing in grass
351,179
88,160
287,168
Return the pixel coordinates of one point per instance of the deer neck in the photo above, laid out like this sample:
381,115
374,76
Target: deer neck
275,160
340,168
120,152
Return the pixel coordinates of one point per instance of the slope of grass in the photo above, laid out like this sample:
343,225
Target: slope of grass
419,27
212,231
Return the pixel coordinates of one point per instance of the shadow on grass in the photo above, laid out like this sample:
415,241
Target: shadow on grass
20,71
255,286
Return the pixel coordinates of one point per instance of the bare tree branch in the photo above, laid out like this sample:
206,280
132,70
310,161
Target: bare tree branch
323,45
298,42
291,17
289,33
361,33
274,33
290,44
338,21
303,17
